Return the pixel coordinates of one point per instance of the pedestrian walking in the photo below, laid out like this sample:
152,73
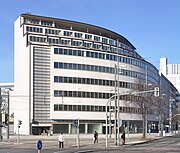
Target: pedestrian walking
61,140
95,137
123,138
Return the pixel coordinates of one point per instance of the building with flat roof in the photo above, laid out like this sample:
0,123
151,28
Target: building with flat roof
171,71
67,70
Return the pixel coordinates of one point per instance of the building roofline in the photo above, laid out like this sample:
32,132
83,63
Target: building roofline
84,27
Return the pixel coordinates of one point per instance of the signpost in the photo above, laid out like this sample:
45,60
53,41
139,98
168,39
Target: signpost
19,125
76,125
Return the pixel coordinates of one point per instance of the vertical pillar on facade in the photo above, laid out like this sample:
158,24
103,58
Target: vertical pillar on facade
69,128
86,128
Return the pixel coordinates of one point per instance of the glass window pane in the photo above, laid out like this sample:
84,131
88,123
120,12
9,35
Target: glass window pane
56,107
55,78
55,64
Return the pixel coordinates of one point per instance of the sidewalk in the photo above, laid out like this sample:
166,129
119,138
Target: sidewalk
71,140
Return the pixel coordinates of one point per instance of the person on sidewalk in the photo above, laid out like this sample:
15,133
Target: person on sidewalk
95,137
123,138
61,140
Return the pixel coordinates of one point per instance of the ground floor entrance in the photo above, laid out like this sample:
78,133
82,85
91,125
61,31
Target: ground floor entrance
129,126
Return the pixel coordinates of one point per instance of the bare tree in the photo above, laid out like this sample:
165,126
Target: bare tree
160,106
144,102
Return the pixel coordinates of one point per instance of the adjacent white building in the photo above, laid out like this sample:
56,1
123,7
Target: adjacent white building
65,70
171,71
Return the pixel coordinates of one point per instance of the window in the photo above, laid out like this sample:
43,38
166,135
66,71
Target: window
76,43
53,40
92,108
106,48
83,94
87,44
112,42
55,78
61,107
96,38
92,81
74,66
74,108
88,54
56,107
34,29
67,33
66,51
55,64
105,40
52,31
97,46
92,94
70,93
60,65
60,51
56,93
37,39
60,79
83,107
33,21
79,52
74,52
65,41
78,35
87,36
56,50
96,55
88,94
47,23
70,107
92,54
88,81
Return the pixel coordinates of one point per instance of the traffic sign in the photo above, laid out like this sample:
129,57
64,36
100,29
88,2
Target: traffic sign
39,145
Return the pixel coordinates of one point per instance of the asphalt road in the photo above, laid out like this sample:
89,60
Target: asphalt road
163,145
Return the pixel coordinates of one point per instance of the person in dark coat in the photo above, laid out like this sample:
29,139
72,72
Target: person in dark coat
123,138
95,137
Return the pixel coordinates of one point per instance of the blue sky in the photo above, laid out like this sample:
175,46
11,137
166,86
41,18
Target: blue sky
152,26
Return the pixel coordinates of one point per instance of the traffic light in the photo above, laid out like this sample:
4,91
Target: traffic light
19,123
156,91
108,119
6,119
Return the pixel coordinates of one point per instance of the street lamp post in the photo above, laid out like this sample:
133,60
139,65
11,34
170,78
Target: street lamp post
146,121
161,115
170,115
115,96
115,105
8,116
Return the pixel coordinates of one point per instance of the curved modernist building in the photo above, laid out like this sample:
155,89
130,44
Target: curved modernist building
66,70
